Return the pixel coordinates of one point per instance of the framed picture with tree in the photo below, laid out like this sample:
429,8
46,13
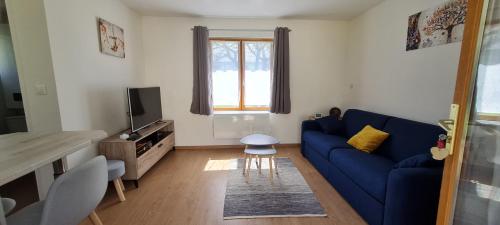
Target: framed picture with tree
441,25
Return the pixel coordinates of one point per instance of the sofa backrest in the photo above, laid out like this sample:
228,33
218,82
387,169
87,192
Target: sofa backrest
354,120
408,138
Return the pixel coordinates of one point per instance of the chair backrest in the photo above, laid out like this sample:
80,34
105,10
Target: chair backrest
2,216
8,205
75,194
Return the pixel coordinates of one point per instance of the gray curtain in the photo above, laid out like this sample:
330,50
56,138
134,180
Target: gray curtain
202,77
280,93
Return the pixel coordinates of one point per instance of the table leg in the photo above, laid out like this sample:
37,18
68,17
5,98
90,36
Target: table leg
245,165
59,168
257,161
248,165
271,167
275,164
260,164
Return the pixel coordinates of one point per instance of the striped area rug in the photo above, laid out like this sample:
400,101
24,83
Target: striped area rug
286,195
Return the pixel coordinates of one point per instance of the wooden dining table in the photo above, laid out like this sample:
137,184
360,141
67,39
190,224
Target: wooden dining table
23,153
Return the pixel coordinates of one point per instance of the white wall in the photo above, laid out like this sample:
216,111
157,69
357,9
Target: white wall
318,52
386,78
90,85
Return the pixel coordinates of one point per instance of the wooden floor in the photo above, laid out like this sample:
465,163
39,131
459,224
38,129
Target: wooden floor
188,187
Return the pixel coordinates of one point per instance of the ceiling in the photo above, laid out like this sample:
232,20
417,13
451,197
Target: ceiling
293,9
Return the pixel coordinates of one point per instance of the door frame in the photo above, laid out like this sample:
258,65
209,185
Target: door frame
464,87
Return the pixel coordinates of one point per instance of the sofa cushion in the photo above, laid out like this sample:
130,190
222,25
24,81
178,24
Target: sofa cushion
368,139
355,120
331,125
368,171
408,138
324,143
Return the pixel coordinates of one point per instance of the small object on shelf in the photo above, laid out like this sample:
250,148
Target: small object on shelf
134,137
318,115
124,136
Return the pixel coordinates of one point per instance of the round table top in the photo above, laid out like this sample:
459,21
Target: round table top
259,140
260,151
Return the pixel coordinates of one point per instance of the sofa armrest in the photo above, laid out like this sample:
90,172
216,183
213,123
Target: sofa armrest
412,196
308,125
423,160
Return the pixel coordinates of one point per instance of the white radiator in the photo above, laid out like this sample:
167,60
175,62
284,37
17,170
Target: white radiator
232,126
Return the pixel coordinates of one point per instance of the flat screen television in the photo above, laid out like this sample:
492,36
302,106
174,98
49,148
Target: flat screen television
144,106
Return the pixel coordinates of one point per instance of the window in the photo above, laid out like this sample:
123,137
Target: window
241,74
487,92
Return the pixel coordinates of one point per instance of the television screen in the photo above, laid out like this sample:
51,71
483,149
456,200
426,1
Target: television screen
144,106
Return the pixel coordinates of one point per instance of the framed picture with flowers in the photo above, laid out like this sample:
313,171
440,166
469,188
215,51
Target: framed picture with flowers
111,38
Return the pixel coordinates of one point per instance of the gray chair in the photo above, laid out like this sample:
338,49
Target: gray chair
8,205
2,216
72,197
116,169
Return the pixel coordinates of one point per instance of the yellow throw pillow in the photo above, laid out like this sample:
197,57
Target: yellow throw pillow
368,139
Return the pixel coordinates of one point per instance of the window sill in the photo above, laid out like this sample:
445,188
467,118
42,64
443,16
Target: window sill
240,112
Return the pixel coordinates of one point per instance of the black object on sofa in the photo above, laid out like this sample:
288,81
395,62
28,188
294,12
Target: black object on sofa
397,184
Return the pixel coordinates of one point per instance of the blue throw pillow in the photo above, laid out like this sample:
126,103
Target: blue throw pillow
423,160
330,125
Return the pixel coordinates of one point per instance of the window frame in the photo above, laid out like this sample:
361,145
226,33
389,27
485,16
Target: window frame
241,72
489,116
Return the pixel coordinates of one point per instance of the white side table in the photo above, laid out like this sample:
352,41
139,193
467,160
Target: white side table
259,146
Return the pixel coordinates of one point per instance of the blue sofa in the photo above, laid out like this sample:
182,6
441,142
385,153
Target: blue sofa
397,184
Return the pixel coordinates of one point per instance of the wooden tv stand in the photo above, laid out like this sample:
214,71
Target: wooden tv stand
143,153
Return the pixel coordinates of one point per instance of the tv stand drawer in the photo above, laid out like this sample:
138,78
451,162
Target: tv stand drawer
167,143
147,160
154,154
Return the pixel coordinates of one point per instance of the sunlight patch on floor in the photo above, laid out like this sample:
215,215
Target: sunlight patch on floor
232,164
221,164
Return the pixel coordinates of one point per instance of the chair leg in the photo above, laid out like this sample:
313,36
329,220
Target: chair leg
119,189
121,184
95,218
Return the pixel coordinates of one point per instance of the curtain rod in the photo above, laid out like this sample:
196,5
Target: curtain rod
262,30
